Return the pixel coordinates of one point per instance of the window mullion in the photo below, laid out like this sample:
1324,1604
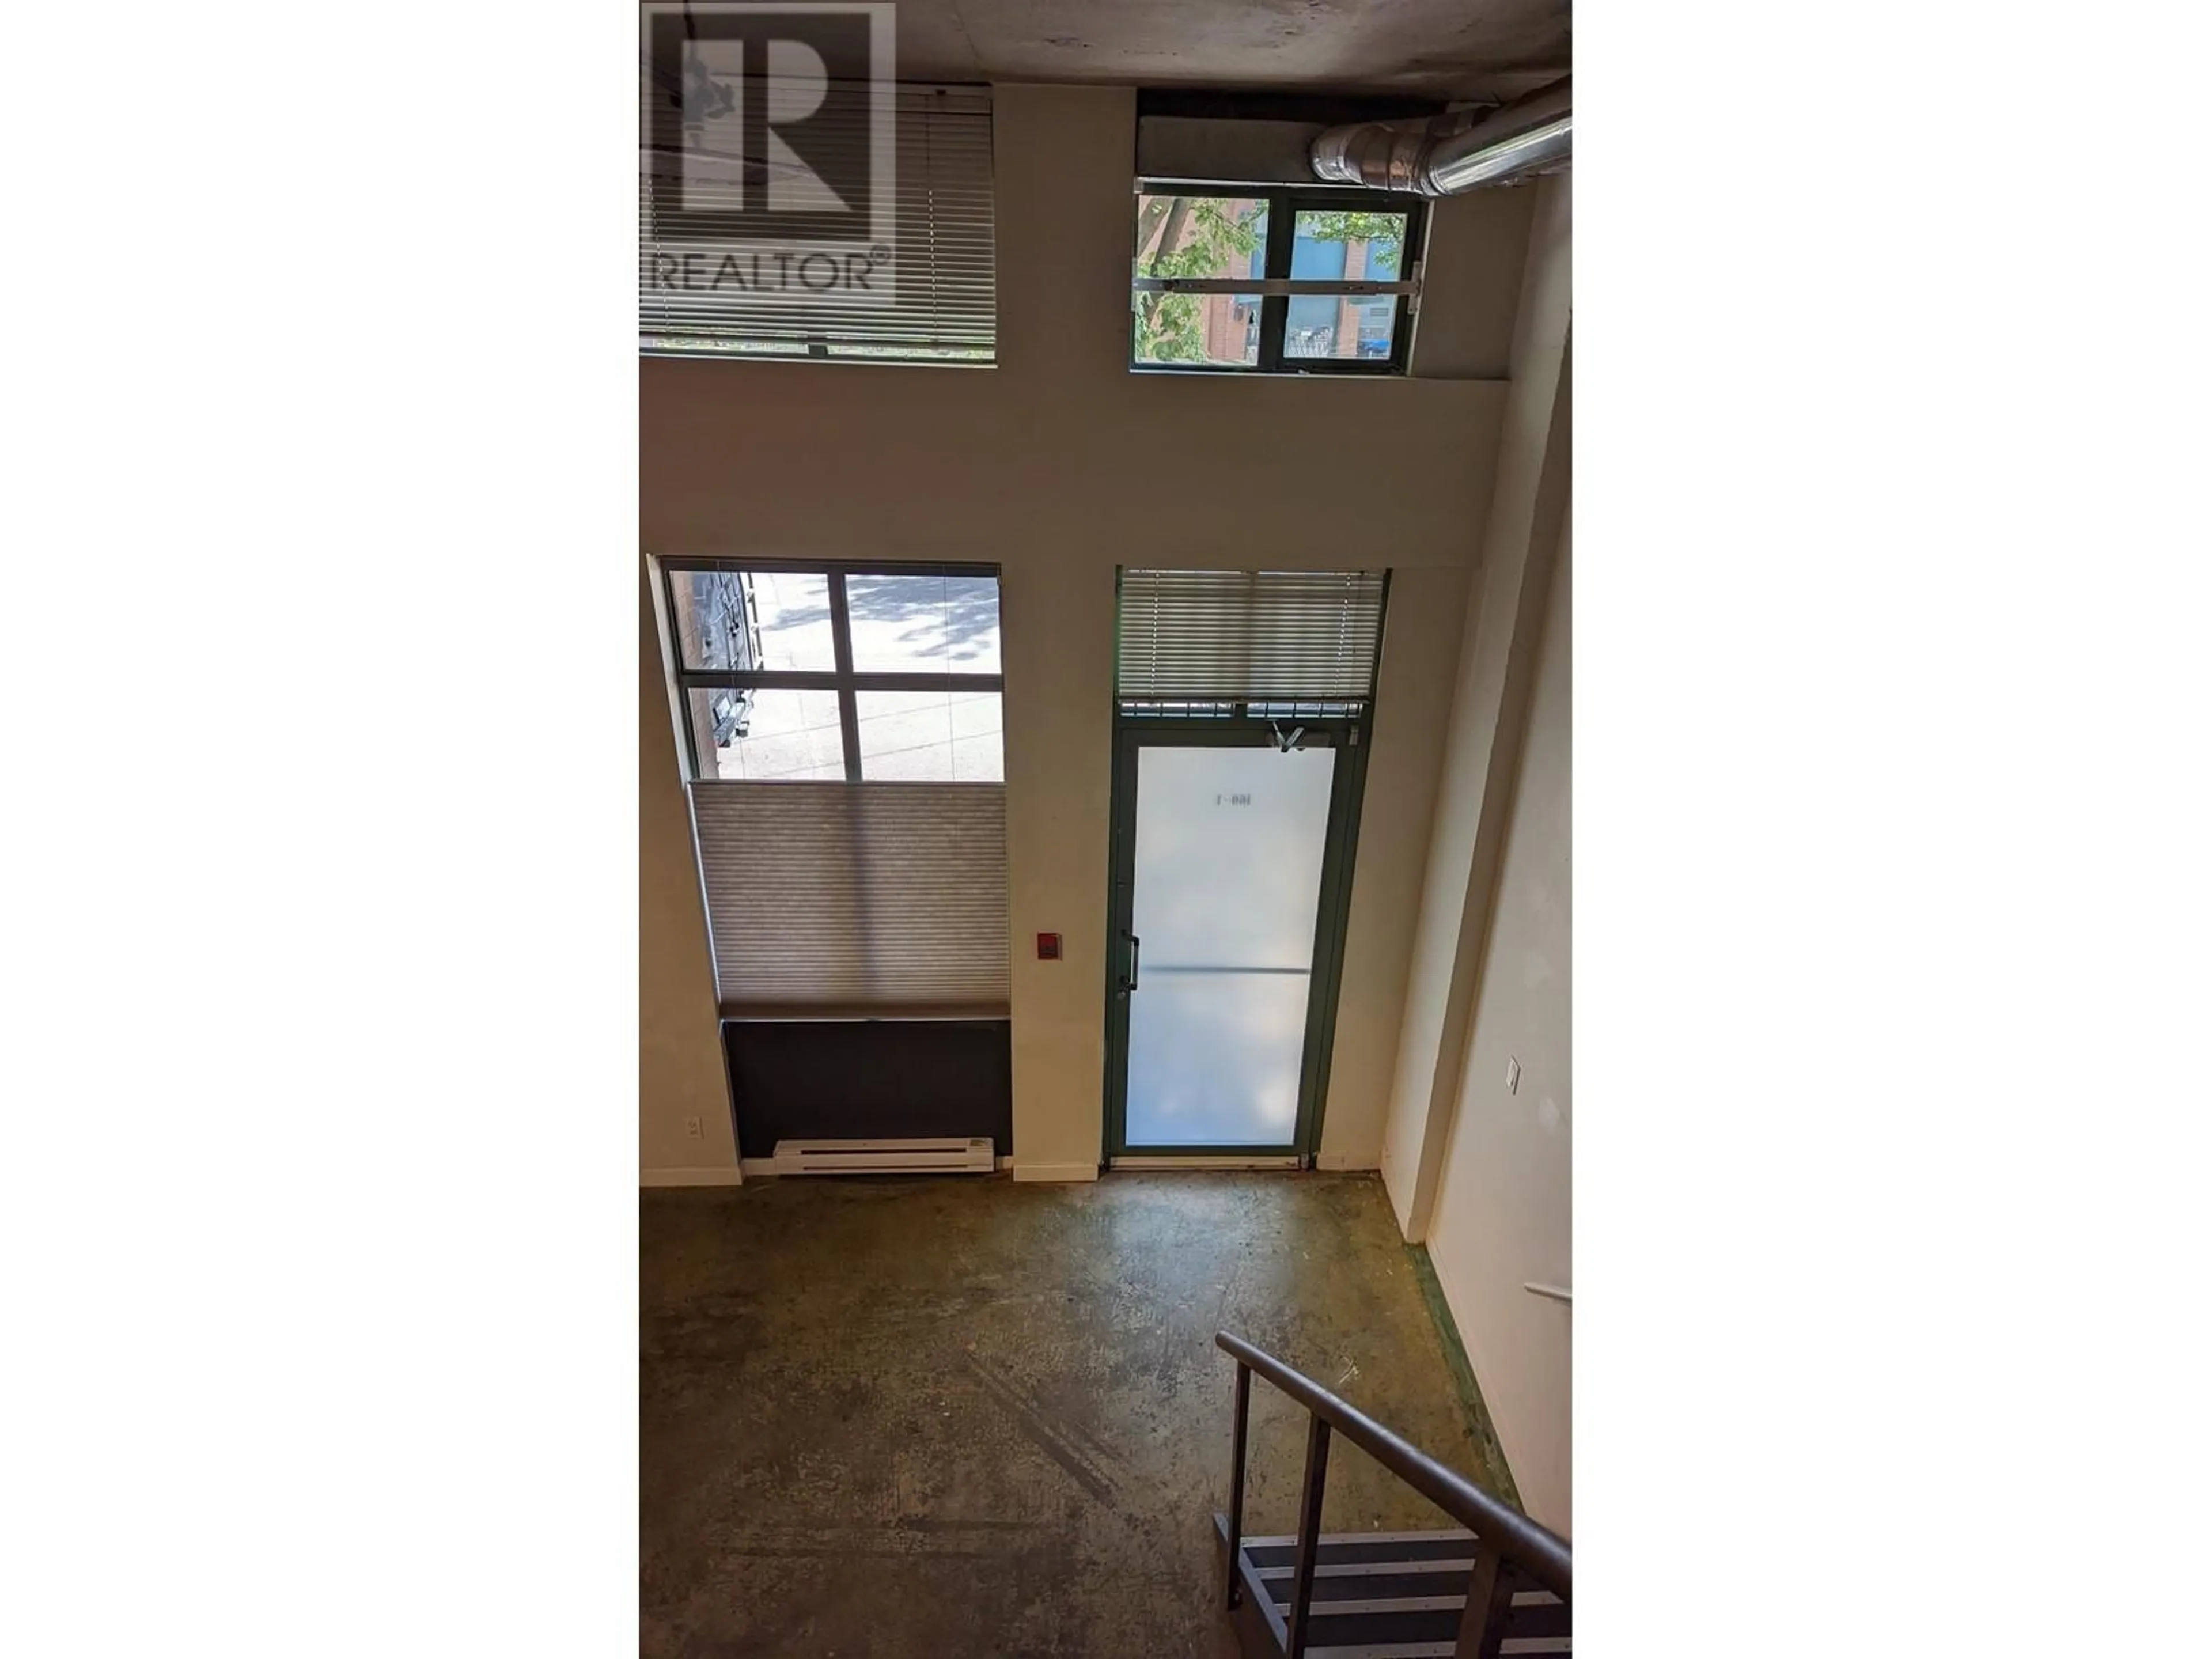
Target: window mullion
1275,309
1412,255
849,705
692,764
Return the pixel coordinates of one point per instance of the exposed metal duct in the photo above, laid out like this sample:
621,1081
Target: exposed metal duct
1445,156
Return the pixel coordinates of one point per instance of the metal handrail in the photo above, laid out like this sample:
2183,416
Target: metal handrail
1501,1534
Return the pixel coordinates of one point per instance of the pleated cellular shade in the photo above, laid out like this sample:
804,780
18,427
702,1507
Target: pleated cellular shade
845,898
1266,635
946,287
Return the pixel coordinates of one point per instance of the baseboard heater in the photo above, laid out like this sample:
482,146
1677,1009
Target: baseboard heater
878,1085
947,1156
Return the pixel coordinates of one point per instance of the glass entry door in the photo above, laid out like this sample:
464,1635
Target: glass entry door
1229,874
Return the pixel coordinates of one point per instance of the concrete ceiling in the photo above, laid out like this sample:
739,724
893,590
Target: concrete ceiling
1431,48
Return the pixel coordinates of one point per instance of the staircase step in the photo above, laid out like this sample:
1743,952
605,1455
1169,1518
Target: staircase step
1397,1596
1390,1596
1539,1616
1384,1626
1532,1612
1349,1549
1375,1580
1411,1628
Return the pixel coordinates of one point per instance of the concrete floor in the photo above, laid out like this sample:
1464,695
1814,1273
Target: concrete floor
957,1416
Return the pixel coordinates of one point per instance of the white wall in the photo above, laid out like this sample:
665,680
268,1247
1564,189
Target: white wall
1504,1204
1059,463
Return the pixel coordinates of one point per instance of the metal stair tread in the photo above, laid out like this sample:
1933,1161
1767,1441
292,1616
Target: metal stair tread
1375,1583
1351,1547
1401,1596
1498,1582
1433,1650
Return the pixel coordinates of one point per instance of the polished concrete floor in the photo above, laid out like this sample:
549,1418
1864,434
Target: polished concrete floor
955,1416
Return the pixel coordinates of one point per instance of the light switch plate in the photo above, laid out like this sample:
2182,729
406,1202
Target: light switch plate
1512,1075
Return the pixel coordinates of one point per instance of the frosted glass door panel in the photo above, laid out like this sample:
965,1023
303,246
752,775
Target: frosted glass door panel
1228,862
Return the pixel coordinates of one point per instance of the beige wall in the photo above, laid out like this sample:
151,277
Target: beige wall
1059,786
1423,630
1488,702
1503,1205
1479,1175
1059,463
680,1071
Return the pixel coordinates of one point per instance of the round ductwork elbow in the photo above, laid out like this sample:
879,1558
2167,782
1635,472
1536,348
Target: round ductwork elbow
1445,155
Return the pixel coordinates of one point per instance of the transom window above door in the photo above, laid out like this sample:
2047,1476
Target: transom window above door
1274,279
1248,644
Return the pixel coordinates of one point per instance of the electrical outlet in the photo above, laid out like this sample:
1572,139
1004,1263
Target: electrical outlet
693,1127
1512,1077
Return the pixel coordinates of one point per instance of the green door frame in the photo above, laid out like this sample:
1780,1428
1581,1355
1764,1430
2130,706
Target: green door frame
1349,737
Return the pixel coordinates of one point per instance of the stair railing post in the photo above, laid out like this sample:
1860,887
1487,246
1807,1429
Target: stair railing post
1236,1485
1489,1598
1309,1532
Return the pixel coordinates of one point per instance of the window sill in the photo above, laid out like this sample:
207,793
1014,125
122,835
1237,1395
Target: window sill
799,357
1212,371
735,1013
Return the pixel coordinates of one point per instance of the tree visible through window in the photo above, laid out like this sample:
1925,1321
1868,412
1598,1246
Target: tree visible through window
1199,236
1329,243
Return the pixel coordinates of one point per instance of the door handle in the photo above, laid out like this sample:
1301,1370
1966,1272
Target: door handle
1136,946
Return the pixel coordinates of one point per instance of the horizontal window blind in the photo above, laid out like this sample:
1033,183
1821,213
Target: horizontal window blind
839,896
944,261
1267,635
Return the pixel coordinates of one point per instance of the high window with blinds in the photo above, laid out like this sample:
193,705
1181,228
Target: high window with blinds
842,726
943,305
1237,642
